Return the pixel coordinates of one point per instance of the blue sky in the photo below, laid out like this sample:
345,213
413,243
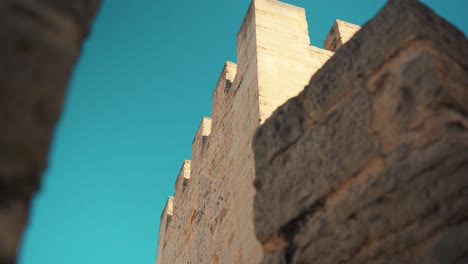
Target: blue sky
138,93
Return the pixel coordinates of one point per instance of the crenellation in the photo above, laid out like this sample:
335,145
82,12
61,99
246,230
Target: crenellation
223,93
166,217
168,209
340,33
182,180
283,20
246,51
201,138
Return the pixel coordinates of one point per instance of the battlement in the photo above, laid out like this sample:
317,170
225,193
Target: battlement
340,33
201,137
166,217
168,209
275,61
182,179
223,93
280,20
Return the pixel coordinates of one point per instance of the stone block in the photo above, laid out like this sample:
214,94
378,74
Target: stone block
369,163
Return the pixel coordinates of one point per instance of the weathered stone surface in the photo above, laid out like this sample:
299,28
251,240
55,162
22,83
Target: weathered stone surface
369,164
212,221
41,41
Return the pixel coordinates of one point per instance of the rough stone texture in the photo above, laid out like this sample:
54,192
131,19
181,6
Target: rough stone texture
212,221
41,41
369,164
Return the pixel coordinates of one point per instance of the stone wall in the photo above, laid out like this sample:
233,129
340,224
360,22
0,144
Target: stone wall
212,216
40,43
369,164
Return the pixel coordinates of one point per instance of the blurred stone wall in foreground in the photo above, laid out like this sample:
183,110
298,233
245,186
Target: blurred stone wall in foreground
40,44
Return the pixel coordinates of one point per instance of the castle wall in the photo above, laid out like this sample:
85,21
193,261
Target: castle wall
212,221
369,164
